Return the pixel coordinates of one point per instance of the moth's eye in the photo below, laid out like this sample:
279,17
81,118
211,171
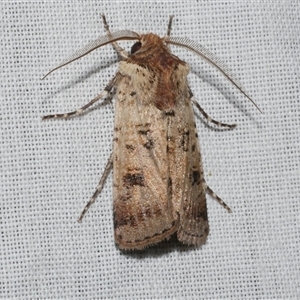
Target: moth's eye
136,47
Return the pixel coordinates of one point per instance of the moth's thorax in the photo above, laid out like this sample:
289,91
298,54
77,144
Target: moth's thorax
154,54
153,64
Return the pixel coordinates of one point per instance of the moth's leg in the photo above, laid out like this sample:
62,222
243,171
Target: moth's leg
208,118
119,49
110,96
79,111
214,195
99,187
170,25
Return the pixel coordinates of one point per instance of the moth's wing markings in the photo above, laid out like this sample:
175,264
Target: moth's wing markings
176,136
188,196
193,227
143,211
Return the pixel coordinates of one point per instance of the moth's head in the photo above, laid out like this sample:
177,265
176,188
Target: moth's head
147,42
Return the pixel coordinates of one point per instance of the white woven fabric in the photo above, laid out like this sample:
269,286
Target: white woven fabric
49,169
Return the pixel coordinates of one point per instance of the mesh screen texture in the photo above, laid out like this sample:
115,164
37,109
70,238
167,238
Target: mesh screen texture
49,169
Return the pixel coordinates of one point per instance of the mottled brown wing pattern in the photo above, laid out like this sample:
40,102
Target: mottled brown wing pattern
143,209
193,228
157,168
188,192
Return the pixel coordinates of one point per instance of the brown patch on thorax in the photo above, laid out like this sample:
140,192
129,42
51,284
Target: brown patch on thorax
155,56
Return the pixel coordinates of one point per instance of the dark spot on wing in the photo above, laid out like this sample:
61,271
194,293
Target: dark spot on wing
130,148
157,211
143,125
195,177
170,187
124,197
131,179
123,220
184,143
202,215
149,144
170,113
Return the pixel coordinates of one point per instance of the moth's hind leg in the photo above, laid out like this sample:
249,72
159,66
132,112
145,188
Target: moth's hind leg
99,187
214,195
117,47
208,118
80,110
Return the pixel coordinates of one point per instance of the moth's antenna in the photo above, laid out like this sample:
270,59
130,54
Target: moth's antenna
170,25
209,57
99,42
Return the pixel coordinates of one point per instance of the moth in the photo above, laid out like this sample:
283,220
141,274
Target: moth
158,182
